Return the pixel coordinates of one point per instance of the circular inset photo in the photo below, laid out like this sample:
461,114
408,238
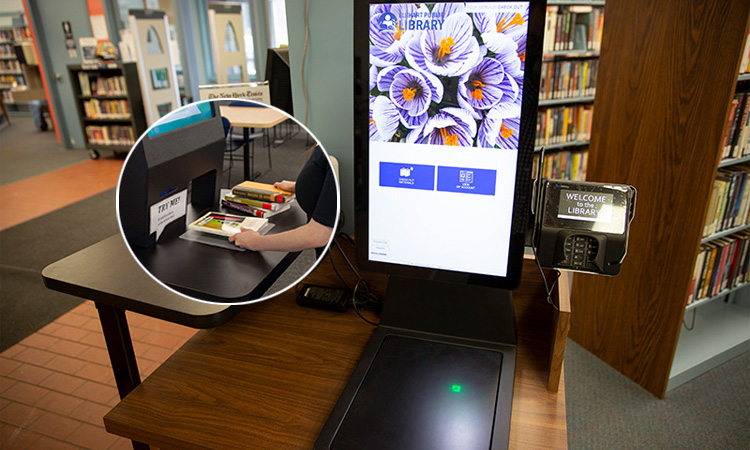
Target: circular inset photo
228,201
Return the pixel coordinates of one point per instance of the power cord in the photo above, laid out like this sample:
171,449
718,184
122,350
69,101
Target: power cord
362,296
547,288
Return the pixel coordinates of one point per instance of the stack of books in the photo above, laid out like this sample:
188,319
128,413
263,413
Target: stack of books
257,199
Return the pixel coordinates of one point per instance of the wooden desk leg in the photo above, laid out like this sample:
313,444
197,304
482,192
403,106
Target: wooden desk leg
121,353
560,328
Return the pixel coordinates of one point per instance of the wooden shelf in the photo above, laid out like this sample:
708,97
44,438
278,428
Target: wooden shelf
633,321
571,54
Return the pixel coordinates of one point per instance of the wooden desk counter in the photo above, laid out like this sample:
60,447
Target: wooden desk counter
269,378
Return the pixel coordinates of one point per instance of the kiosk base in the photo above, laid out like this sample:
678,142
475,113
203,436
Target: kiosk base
437,374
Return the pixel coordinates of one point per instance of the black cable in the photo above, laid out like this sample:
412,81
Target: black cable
692,323
364,298
547,288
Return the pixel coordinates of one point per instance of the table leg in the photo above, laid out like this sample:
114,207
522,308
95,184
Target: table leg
246,152
121,353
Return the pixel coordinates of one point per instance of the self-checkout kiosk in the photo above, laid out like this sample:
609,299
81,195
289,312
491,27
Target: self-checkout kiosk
175,165
171,178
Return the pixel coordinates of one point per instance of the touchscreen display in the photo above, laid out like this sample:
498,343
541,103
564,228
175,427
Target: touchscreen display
445,105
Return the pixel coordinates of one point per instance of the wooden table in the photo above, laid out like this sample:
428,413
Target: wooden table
248,118
270,377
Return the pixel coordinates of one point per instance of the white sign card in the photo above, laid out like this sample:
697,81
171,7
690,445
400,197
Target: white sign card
167,211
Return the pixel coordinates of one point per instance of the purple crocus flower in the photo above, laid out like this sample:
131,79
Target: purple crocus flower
505,35
500,127
450,51
386,76
373,77
451,126
411,91
384,118
388,39
486,85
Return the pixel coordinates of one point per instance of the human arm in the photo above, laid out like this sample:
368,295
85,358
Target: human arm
310,235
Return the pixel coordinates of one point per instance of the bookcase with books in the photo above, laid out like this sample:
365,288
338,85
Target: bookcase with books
12,75
110,106
672,120
572,41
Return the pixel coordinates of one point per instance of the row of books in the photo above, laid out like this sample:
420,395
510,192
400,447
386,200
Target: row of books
12,80
721,264
568,79
15,34
737,135
106,109
94,84
256,199
562,124
563,165
729,206
6,51
573,28
110,135
10,65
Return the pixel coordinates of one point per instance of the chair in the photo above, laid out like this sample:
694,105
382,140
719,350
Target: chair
232,145
251,104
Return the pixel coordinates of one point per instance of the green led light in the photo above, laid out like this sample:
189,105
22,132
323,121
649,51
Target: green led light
456,388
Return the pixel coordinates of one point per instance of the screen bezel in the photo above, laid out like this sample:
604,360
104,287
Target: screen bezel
529,106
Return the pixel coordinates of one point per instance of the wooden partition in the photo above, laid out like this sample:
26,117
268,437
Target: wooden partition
666,79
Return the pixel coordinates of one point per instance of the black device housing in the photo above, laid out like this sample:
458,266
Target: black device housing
160,166
580,246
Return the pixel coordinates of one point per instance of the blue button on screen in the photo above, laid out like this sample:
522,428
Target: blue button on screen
409,176
466,180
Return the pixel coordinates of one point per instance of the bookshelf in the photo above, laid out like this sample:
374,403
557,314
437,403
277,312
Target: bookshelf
12,74
110,106
568,84
664,94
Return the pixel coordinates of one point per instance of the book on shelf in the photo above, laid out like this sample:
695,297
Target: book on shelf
261,191
729,205
221,224
96,84
106,109
573,27
720,265
561,124
563,165
568,79
110,135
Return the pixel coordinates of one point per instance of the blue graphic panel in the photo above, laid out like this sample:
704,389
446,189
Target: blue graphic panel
408,176
466,180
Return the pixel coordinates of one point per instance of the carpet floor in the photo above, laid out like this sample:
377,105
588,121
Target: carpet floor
25,303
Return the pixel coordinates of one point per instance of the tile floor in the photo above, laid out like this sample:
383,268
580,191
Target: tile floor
57,384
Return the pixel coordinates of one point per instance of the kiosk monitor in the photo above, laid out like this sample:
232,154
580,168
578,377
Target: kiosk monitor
445,99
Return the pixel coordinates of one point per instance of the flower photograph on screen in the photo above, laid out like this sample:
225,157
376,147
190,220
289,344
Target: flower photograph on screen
447,74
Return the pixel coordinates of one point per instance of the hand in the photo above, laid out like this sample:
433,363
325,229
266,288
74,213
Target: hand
246,238
285,185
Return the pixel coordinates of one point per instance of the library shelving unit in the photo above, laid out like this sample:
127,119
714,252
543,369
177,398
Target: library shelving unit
110,106
569,67
664,92
12,75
